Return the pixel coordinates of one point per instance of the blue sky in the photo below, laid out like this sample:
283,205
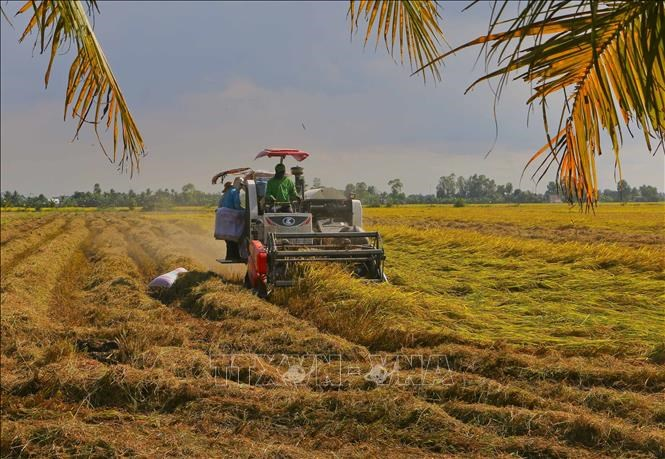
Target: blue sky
211,84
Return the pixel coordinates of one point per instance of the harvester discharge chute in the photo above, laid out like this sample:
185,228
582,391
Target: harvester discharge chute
320,225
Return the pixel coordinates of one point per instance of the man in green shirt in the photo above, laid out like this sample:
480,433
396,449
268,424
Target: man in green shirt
281,191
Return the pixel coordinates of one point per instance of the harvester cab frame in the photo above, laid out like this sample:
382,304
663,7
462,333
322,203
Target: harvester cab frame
323,226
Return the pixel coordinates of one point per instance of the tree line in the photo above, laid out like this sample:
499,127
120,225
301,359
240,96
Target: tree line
482,189
147,200
449,189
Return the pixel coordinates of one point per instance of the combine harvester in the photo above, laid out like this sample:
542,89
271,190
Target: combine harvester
323,225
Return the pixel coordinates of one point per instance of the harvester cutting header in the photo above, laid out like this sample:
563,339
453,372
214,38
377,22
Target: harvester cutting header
274,225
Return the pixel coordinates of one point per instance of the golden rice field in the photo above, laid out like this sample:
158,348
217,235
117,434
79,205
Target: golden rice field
505,331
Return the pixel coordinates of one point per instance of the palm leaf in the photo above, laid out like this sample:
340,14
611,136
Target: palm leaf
412,25
4,15
608,60
93,94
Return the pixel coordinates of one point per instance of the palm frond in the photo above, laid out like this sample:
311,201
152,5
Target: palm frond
412,25
4,15
608,60
93,94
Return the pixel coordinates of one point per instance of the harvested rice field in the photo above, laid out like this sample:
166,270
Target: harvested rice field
505,331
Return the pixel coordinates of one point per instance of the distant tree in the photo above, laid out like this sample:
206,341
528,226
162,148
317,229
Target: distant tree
361,190
504,192
474,187
461,188
421,199
551,188
624,190
396,195
188,196
480,186
10,199
609,195
39,202
446,187
649,193
622,185
132,200
372,197
395,186
383,197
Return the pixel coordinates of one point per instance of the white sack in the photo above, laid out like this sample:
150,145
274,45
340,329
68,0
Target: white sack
166,280
229,224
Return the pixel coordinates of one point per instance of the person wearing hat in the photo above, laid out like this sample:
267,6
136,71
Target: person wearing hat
281,191
231,200
230,197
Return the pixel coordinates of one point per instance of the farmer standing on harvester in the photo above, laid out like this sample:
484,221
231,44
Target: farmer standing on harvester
231,200
281,191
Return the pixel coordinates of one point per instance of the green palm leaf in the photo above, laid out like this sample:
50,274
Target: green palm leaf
413,25
608,60
93,94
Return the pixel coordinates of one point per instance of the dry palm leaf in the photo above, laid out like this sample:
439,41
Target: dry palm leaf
606,58
92,90
414,23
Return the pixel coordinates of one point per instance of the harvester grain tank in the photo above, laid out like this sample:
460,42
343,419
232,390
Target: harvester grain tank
322,226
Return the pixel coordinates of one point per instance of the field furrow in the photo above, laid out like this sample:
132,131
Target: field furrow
16,230
25,244
584,430
27,331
